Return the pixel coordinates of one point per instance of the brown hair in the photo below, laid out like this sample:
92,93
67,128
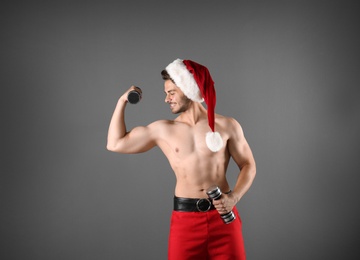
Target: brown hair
165,75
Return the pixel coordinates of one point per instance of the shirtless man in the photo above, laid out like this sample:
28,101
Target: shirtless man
196,232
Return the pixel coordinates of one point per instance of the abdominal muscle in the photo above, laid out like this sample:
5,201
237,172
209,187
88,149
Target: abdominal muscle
194,176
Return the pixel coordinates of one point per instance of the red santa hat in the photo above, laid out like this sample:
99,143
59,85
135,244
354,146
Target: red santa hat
196,83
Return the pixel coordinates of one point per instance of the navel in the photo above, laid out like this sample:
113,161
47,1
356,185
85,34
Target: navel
176,149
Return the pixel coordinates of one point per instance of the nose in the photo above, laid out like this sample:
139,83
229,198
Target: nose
167,100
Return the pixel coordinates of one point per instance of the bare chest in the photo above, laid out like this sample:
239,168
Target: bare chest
182,141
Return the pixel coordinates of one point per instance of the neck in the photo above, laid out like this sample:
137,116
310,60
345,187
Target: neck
193,114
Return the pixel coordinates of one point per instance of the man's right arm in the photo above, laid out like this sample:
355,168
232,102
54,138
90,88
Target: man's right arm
138,140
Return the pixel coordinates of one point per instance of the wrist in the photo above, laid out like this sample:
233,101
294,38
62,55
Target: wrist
123,99
235,197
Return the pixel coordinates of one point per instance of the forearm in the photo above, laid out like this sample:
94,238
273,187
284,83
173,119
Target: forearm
244,181
117,127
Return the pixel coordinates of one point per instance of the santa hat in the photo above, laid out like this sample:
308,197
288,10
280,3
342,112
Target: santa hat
196,83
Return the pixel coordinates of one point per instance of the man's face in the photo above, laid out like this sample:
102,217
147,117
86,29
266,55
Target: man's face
175,98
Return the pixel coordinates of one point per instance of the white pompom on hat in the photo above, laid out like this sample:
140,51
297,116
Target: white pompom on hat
196,83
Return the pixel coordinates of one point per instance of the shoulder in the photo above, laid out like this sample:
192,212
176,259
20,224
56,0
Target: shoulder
161,123
229,127
160,126
227,122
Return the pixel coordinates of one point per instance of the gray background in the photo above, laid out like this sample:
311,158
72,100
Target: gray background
288,71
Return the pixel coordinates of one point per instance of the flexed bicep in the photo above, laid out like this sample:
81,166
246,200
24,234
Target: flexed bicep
140,139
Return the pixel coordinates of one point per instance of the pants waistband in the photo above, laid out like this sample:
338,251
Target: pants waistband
192,205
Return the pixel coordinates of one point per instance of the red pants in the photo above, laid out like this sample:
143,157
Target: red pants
203,235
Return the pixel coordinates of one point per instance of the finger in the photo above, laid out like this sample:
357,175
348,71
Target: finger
220,204
223,211
220,210
133,87
217,202
218,207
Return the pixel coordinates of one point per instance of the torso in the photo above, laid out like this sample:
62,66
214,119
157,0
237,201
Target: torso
196,167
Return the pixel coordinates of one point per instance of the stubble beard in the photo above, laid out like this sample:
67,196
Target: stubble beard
185,105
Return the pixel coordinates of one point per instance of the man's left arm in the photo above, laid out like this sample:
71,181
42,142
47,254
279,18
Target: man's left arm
242,155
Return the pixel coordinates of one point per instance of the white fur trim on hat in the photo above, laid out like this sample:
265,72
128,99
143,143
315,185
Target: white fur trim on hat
214,141
184,80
